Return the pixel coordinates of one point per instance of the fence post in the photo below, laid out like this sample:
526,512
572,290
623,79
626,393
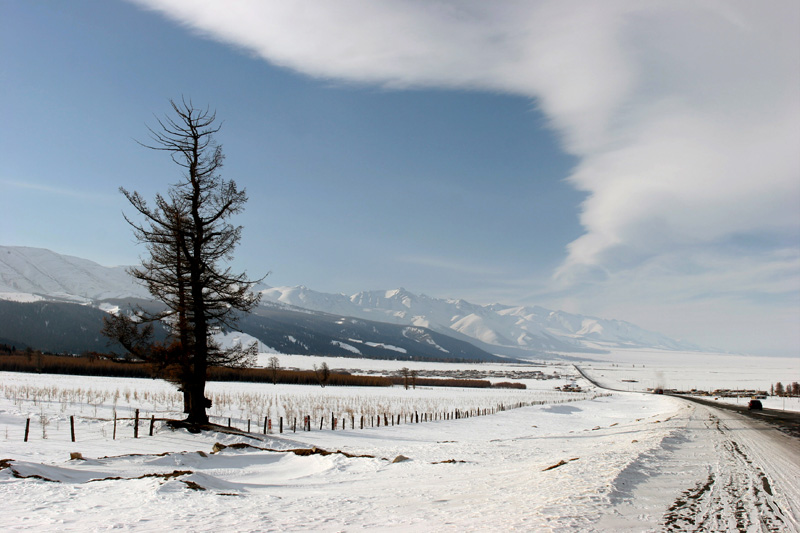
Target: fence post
229,421
248,425
265,425
27,428
136,425
280,425
152,423
72,427
333,422
114,435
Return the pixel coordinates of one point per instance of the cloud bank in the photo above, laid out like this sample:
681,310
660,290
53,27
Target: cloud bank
685,118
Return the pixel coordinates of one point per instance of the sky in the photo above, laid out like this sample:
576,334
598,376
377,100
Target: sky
628,160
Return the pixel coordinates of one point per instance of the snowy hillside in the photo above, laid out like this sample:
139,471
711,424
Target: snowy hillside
531,328
31,274
26,274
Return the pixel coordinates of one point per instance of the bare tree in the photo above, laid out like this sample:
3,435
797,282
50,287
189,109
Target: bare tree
406,373
323,373
274,367
189,238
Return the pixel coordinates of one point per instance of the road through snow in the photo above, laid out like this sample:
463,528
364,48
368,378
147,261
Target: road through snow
728,474
746,471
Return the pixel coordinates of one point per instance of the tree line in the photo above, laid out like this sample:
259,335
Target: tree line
791,389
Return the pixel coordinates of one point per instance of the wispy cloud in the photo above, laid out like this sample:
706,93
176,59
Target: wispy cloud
685,116
57,191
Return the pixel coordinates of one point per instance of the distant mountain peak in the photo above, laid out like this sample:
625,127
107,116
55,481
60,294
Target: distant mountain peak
500,328
30,274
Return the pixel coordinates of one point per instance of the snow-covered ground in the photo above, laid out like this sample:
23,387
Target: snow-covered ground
687,370
625,462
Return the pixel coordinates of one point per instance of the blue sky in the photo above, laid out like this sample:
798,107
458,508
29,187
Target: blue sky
619,160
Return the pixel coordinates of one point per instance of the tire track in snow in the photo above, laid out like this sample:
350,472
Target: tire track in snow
736,496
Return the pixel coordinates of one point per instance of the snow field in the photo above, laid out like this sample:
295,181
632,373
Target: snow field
480,473
49,401
625,462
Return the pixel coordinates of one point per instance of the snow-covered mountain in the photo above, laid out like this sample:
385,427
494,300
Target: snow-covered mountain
31,274
496,325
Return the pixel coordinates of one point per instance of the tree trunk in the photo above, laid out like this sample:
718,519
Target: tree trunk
197,403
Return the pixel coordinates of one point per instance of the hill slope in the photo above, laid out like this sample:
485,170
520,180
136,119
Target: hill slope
31,274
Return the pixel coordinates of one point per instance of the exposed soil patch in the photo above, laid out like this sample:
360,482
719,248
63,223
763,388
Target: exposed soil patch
560,463
218,447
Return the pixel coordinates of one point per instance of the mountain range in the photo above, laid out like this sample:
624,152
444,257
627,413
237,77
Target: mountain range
392,324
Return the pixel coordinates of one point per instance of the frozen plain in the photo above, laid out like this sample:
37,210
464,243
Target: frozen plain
628,462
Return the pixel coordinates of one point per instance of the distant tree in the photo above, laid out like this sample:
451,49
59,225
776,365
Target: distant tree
189,237
779,389
323,373
274,367
414,374
406,374
794,389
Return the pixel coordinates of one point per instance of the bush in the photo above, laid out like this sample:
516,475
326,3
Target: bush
509,385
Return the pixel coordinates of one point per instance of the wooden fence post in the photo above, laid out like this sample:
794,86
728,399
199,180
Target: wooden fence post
152,423
280,425
27,428
114,435
136,425
72,427
248,425
265,425
229,421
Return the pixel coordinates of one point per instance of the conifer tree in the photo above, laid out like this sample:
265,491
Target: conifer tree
189,238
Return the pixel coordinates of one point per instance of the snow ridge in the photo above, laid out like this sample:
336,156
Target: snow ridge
30,274
36,271
533,328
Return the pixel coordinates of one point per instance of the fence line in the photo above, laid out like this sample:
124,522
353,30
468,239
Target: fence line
365,421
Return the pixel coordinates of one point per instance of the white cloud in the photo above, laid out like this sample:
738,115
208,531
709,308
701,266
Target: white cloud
685,116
